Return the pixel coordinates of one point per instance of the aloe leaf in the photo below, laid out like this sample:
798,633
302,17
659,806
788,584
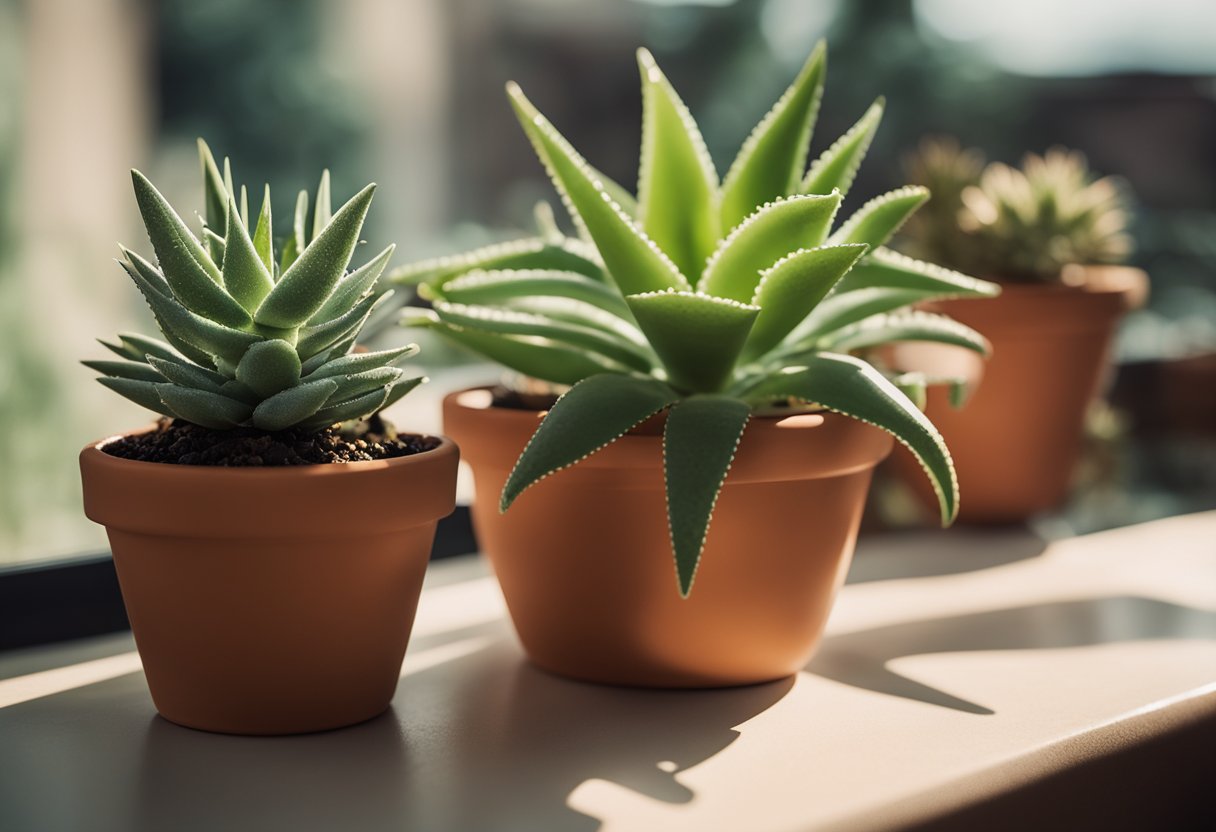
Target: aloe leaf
121,351
263,235
914,386
323,211
139,347
268,367
298,241
766,236
293,405
155,283
504,285
234,389
846,308
529,253
357,408
511,322
198,333
305,285
185,374
886,268
632,259
202,407
677,183
351,288
359,384
314,339
771,161
875,222
593,414
398,390
189,271
909,325
546,222
792,288
837,166
357,363
850,386
541,358
699,443
143,393
215,197
698,337
134,370
245,275
585,314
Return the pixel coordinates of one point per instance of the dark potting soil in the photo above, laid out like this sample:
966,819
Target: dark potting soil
514,400
182,443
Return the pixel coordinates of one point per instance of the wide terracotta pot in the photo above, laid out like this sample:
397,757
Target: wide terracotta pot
584,556
271,600
1018,439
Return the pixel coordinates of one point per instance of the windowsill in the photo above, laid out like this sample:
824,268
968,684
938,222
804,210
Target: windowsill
959,670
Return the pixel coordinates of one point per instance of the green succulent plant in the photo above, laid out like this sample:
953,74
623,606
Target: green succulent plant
251,339
1018,224
708,299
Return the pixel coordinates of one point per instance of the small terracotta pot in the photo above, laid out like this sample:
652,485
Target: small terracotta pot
584,556
1017,440
271,600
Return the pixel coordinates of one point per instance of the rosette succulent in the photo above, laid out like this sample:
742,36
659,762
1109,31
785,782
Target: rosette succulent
707,299
253,339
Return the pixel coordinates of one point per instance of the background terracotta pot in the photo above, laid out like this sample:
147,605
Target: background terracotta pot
1017,440
271,600
584,557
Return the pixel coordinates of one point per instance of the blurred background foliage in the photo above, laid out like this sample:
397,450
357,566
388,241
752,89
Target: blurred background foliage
409,92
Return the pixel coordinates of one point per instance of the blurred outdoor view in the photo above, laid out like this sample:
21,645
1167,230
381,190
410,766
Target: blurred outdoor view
410,93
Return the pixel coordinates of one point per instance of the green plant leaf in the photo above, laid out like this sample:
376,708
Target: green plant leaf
908,325
852,387
512,322
202,407
846,308
263,235
504,285
886,268
771,161
293,405
245,275
792,288
268,367
188,331
914,386
593,414
215,198
139,347
134,370
298,241
186,267
875,222
398,390
699,443
529,253
185,374
698,337
357,363
143,393
356,408
632,259
307,283
766,236
323,211
359,384
677,183
314,339
837,166
352,288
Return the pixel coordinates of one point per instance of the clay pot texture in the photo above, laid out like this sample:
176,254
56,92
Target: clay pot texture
1018,439
585,563
271,600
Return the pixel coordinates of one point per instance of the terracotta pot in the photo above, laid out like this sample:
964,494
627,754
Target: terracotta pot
585,563
271,600
1017,440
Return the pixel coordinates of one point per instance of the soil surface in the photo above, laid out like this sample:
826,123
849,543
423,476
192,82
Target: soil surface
182,443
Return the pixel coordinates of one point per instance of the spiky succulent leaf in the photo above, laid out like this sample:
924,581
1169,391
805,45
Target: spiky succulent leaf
186,374
542,358
356,408
908,325
215,198
293,405
134,370
875,222
314,339
353,287
503,286
890,269
771,161
143,393
699,443
358,362
698,337
837,166
323,209
202,407
269,367
677,184
529,253
358,384
767,235
792,288
632,259
846,308
854,388
593,414
244,273
263,236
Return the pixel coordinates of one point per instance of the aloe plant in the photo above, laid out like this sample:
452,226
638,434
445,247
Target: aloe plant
255,339
710,300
